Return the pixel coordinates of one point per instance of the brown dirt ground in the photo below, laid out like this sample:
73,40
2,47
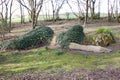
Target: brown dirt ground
99,74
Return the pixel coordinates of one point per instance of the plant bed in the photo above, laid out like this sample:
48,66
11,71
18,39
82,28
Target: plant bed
37,37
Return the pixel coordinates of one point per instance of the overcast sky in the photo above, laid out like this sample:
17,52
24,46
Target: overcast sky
65,8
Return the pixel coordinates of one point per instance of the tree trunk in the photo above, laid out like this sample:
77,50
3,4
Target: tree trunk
57,15
92,9
108,11
22,15
99,9
116,12
53,16
86,15
34,8
10,16
53,10
33,19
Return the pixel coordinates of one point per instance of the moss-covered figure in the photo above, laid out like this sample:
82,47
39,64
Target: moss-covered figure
103,37
39,36
75,34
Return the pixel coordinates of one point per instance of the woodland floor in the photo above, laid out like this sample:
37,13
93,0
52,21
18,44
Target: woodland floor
61,26
58,27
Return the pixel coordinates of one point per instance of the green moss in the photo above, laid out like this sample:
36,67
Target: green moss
104,30
21,62
39,36
75,34
103,39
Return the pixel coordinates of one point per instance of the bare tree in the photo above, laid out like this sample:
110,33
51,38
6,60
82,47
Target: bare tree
5,16
79,5
56,7
6,12
81,8
108,10
22,13
10,14
71,8
34,8
116,11
99,4
86,15
92,8
112,10
53,10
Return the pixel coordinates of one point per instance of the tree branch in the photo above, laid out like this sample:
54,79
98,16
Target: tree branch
23,4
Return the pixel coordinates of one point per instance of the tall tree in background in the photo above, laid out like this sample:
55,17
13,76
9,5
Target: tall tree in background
6,12
99,4
34,8
92,7
108,10
5,16
116,11
80,4
112,10
56,7
10,14
22,14
86,15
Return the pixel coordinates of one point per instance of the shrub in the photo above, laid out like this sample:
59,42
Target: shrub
38,36
9,45
96,16
118,19
104,30
46,48
62,39
39,52
103,39
59,52
75,34
88,40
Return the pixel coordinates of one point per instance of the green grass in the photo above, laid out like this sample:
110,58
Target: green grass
43,17
13,63
116,33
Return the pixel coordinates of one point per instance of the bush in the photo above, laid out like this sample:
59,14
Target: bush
96,16
88,40
9,45
46,48
104,30
38,36
62,39
118,19
59,52
39,52
103,39
75,34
